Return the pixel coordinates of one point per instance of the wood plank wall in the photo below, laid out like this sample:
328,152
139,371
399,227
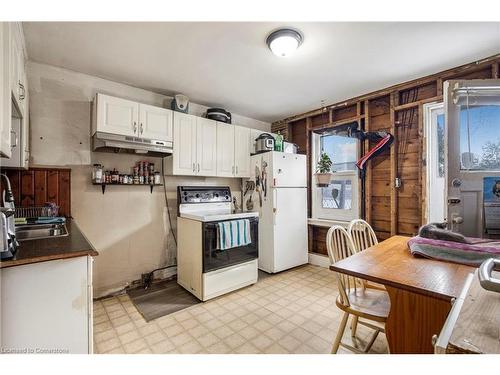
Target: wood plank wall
36,186
399,110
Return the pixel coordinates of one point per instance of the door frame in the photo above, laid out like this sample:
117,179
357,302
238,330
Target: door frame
430,142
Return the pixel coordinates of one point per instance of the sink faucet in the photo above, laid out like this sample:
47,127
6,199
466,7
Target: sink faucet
9,209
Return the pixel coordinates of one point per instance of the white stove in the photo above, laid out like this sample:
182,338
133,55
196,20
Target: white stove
202,268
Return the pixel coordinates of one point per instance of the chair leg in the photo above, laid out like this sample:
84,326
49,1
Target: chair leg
340,333
354,325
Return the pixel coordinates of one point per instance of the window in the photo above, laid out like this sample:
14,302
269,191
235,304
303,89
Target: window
480,137
339,200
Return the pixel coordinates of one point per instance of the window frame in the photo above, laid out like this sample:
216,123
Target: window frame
317,211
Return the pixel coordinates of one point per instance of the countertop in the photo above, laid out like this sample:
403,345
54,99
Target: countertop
73,245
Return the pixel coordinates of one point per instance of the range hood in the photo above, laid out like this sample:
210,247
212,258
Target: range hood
122,143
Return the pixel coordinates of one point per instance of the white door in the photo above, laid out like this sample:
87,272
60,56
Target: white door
184,154
155,123
436,183
288,170
206,141
290,227
242,151
473,156
225,150
117,116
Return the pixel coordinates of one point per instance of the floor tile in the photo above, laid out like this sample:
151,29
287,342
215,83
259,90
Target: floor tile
290,312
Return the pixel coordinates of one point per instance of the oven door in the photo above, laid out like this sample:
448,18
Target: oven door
214,259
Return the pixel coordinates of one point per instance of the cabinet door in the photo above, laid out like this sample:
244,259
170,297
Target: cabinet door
117,116
225,150
242,151
5,106
206,140
184,155
155,123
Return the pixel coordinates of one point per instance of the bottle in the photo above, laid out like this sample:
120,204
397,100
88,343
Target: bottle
97,176
278,142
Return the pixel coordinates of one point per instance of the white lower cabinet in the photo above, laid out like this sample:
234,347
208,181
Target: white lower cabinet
47,307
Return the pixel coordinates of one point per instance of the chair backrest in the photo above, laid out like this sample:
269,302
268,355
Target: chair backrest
362,235
340,246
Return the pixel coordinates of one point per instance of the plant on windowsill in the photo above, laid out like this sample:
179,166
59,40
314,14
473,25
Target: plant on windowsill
323,170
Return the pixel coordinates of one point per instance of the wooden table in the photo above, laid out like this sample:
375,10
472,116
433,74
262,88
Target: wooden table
421,291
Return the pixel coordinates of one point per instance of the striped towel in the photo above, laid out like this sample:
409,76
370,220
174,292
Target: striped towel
233,233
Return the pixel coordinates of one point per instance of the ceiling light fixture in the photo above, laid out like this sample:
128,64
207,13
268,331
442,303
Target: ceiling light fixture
284,42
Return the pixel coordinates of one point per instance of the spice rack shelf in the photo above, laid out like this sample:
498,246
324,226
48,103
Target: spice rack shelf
103,185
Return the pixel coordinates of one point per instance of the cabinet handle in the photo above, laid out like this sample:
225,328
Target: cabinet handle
198,167
194,167
142,130
232,170
236,169
135,127
12,131
22,94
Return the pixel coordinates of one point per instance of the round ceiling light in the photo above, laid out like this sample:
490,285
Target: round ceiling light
284,42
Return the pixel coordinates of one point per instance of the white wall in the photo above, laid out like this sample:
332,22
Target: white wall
127,225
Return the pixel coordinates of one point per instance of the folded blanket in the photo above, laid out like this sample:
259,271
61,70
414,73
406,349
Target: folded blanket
233,233
470,254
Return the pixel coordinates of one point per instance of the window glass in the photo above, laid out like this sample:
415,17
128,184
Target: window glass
338,195
440,144
480,137
342,152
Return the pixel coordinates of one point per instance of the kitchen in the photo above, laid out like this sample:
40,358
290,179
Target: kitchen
186,218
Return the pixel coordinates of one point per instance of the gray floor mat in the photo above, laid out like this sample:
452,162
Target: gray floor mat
163,298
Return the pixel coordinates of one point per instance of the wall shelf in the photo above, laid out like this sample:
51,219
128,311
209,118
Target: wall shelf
103,186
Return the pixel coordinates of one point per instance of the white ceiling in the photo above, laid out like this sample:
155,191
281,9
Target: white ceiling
229,65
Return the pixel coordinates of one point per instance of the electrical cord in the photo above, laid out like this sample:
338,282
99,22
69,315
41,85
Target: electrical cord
148,278
166,202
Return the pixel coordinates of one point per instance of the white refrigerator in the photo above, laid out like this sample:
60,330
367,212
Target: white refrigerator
282,207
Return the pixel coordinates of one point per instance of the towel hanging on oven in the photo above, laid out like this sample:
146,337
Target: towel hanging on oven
233,233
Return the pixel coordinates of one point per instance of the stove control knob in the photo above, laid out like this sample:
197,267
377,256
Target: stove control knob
216,195
197,195
227,196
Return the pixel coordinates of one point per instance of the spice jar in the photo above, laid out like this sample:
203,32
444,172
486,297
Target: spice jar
97,175
157,178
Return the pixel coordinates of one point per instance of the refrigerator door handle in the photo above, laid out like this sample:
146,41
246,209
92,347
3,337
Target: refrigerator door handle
275,204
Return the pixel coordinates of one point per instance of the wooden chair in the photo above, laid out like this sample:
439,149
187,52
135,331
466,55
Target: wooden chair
362,234
355,298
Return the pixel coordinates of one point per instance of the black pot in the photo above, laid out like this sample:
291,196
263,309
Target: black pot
219,114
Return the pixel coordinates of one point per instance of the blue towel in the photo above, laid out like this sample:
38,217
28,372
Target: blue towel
50,220
233,233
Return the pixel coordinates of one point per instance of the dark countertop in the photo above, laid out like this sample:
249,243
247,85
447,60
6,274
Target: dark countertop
33,251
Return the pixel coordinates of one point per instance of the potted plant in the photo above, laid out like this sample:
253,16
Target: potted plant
323,170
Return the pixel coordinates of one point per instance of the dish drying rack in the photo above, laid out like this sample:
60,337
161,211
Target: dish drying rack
42,211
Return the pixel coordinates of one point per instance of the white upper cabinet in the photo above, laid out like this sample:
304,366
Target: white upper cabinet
14,105
242,151
195,140
185,138
5,106
155,123
225,150
126,117
206,141
117,116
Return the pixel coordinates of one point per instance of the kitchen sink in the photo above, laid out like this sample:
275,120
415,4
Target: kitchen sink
38,231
